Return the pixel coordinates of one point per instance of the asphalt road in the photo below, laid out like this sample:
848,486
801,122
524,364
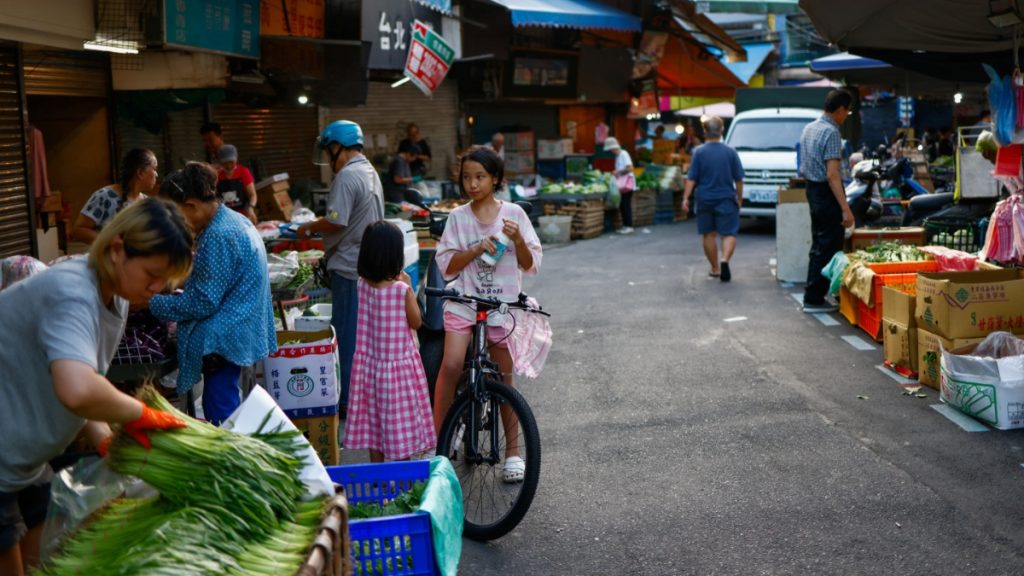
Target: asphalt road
676,442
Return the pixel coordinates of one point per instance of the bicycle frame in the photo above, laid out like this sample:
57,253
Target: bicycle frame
478,366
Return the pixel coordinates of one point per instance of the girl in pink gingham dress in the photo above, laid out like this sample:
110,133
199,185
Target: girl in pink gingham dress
389,410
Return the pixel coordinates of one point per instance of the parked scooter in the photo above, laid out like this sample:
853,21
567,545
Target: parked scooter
876,177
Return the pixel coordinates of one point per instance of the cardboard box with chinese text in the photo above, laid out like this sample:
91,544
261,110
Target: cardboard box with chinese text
929,355
322,433
970,304
303,375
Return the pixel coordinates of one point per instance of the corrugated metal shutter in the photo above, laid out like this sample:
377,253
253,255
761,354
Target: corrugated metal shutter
131,136
183,139
389,110
15,213
272,140
51,72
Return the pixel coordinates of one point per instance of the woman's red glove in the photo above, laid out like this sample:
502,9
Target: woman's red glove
152,420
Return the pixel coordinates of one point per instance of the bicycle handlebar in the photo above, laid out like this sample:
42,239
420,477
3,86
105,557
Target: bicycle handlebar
452,294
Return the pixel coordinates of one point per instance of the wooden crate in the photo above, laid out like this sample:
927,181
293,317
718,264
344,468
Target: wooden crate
587,216
644,202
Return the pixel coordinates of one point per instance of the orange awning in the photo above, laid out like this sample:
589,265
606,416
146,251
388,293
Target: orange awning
689,70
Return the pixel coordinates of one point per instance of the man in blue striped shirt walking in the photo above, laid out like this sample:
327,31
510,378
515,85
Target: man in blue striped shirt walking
821,152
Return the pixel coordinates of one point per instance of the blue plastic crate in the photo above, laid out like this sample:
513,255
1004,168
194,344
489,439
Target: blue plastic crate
394,545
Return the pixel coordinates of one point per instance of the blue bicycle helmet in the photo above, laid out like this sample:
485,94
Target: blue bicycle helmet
344,132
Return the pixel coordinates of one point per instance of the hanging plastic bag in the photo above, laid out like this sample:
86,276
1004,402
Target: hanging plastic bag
76,493
834,272
1008,159
282,269
614,194
1002,99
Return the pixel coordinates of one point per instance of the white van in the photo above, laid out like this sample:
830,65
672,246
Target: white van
766,141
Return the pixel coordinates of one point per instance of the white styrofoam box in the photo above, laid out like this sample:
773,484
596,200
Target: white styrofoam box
792,240
321,321
304,377
412,255
554,229
407,230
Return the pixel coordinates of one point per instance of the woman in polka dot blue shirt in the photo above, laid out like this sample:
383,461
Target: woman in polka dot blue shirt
225,316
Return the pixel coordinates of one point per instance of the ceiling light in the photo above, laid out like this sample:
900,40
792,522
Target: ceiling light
400,81
958,98
93,45
680,129
303,99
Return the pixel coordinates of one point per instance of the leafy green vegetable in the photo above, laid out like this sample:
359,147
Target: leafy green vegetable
889,252
405,503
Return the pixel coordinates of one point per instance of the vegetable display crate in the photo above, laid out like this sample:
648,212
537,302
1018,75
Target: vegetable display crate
587,216
644,203
848,305
869,318
393,544
318,296
326,557
956,233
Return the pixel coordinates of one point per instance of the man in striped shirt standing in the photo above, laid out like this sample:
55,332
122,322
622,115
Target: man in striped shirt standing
820,155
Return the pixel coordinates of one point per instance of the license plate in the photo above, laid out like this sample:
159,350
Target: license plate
761,195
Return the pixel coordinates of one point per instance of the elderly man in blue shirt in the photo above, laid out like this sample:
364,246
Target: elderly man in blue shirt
820,155
225,315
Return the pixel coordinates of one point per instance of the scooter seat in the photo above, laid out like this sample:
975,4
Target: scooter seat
930,202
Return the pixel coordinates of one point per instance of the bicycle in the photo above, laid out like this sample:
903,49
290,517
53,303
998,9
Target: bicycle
488,419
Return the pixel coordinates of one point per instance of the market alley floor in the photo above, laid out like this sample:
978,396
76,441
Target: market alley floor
696,427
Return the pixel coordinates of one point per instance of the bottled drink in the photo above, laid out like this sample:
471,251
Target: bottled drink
501,241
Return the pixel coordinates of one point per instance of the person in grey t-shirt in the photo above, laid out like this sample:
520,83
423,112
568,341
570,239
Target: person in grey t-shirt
61,328
356,200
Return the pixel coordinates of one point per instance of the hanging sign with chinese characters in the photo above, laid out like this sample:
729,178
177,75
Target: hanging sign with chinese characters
221,26
387,25
430,57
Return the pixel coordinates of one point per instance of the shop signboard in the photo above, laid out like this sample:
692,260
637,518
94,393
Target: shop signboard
229,27
303,18
430,57
387,25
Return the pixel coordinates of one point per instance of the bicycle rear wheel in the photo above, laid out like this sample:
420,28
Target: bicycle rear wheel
492,507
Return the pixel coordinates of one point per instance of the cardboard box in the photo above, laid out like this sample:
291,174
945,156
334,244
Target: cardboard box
865,237
554,149
899,344
274,205
898,307
929,355
322,433
304,378
971,304
271,180
988,386
318,320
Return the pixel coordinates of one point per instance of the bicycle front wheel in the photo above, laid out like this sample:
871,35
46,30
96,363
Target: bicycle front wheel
503,425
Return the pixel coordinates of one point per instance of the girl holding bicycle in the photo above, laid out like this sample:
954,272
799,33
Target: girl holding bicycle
471,231
389,407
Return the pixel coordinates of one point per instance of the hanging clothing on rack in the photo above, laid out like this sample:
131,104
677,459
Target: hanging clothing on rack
37,158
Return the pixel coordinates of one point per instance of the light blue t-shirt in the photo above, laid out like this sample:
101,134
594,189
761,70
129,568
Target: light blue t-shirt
54,315
716,168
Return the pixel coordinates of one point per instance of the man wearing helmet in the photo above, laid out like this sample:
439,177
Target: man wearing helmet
356,200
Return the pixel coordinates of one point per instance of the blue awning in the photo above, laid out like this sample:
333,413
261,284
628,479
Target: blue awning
442,6
845,61
756,54
579,14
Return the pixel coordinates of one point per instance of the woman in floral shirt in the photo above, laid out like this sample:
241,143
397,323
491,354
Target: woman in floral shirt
137,178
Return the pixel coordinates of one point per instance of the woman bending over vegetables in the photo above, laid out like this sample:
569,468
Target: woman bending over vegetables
225,320
61,328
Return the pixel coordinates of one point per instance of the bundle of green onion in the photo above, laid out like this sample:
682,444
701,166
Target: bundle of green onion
227,504
257,478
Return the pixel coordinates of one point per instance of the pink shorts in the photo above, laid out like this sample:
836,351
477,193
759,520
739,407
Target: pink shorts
459,325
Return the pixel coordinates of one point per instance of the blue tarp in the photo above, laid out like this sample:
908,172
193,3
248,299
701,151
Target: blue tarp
845,61
756,53
579,14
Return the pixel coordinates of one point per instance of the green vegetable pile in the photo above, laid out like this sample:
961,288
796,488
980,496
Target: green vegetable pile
889,252
405,503
648,181
302,277
227,504
594,183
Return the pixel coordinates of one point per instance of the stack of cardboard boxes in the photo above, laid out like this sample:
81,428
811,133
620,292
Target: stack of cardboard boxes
273,201
957,309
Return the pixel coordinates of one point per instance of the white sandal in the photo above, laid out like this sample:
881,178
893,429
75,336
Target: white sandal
514,470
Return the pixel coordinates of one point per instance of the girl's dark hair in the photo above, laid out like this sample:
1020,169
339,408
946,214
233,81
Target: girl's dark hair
136,159
487,158
382,253
197,181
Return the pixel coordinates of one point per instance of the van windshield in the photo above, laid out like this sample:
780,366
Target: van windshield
767,134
